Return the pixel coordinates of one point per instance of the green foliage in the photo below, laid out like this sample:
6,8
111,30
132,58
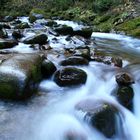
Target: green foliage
104,5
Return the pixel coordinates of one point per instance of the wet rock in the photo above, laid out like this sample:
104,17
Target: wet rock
7,43
4,25
74,60
104,121
51,23
23,25
101,113
19,76
47,68
8,18
83,52
33,17
64,30
17,34
36,39
3,33
125,96
124,79
70,76
117,61
85,32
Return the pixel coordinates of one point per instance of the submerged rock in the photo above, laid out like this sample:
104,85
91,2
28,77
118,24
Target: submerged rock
74,60
36,39
70,76
4,44
47,68
124,79
19,76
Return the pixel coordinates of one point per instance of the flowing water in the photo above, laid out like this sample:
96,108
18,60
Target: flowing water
51,115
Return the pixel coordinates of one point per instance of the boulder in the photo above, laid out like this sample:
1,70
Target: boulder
47,68
74,60
125,96
51,23
19,76
124,79
64,30
36,39
70,76
17,34
3,33
8,18
4,44
23,25
104,121
5,25
117,61
85,32
33,17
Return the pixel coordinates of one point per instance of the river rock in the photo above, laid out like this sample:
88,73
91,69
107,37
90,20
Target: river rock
104,121
17,34
5,25
3,33
36,39
124,79
74,60
47,68
117,61
51,23
85,32
33,17
70,76
19,76
125,96
64,30
100,113
4,44
8,18
23,25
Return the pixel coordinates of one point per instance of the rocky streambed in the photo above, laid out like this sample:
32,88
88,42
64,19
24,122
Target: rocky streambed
61,81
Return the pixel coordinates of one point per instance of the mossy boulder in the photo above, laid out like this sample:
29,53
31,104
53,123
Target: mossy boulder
4,44
74,60
51,23
47,68
19,76
70,76
33,17
36,39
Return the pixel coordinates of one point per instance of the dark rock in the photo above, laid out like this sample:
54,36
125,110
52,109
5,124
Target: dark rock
36,39
74,60
117,61
23,25
19,76
8,18
4,25
104,121
33,17
70,76
83,52
125,96
7,43
124,79
51,23
85,32
3,33
64,30
17,34
47,68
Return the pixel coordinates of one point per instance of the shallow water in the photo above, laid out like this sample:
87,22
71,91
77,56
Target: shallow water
51,115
